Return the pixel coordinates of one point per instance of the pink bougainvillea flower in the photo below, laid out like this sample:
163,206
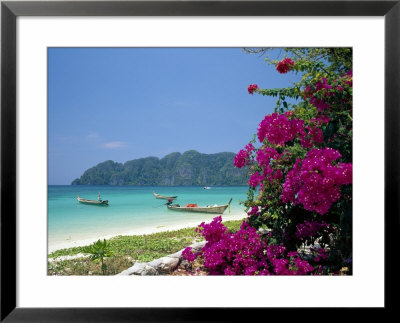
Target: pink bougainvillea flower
188,254
255,179
285,65
312,136
278,128
240,159
243,156
245,252
310,229
252,88
264,156
254,211
315,182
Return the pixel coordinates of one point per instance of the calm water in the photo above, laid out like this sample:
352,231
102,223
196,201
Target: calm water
129,208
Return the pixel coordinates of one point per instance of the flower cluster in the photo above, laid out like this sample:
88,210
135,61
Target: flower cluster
255,179
321,88
312,135
322,85
265,155
315,182
245,253
254,211
300,174
242,158
252,88
347,79
285,65
310,229
278,128
284,263
320,93
188,254
320,253
214,231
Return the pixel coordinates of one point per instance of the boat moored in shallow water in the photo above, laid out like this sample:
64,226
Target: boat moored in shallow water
158,196
219,209
99,201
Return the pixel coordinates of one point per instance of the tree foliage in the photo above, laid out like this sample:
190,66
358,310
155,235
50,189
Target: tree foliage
98,251
188,169
300,186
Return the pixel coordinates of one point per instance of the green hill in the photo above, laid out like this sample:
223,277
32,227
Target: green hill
188,169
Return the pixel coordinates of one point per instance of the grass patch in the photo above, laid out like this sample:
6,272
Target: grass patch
127,250
85,266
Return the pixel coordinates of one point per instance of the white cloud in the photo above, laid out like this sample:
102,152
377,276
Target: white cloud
92,135
113,144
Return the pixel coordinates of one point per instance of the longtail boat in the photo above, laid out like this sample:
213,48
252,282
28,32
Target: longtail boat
158,196
92,202
220,209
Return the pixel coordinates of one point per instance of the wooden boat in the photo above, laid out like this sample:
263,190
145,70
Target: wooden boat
92,202
220,209
158,196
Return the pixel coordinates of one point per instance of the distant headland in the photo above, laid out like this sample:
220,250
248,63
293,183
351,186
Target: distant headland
188,169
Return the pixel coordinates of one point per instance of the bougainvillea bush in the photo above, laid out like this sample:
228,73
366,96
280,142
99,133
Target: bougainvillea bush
300,176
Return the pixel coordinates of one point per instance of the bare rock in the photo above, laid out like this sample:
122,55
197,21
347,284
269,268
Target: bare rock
165,264
196,247
149,271
177,254
139,269
162,265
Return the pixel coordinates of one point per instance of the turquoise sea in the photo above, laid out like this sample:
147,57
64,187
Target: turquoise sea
130,209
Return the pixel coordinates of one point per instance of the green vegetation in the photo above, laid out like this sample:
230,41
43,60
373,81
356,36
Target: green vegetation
99,250
188,169
126,250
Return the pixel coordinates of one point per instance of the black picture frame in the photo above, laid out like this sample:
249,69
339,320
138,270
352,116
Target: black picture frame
10,10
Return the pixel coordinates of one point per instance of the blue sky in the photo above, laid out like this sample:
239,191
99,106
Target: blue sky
126,103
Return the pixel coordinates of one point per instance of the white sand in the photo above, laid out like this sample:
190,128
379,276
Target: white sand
140,231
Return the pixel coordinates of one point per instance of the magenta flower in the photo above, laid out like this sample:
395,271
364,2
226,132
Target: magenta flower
279,129
246,253
254,211
240,159
265,155
310,229
321,87
243,156
320,104
188,254
349,78
315,182
312,136
285,65
252,88
255,179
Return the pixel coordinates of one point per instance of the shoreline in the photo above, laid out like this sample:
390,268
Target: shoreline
141,231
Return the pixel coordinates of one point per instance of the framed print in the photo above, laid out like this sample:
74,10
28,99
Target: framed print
82,82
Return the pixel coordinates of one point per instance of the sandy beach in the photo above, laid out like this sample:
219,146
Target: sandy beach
140,231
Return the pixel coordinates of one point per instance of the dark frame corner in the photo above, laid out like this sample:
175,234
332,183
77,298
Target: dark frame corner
10,10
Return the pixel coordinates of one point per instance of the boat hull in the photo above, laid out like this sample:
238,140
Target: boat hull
213,209
92,202
162,197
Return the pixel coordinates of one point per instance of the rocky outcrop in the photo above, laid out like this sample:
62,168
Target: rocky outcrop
188,169
160,266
